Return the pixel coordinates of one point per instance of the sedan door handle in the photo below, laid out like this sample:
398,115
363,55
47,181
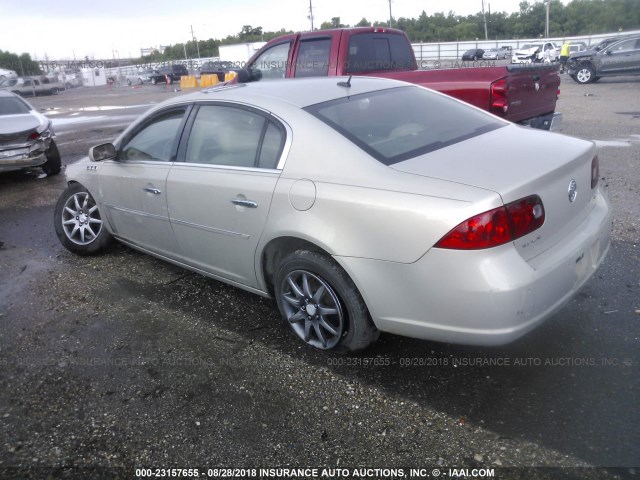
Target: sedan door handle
155,191
244,203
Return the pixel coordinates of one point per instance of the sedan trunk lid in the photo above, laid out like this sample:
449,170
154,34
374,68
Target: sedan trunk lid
555,167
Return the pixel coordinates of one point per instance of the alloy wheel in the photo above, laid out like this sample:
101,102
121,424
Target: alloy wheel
81,219
312,309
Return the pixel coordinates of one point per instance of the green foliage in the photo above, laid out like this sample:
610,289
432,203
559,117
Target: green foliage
21,64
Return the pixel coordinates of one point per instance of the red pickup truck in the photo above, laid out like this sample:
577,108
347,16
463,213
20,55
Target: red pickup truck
524,94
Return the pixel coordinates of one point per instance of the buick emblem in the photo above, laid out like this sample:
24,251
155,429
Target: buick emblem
573,191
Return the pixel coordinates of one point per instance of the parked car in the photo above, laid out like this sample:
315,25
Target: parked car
494,54
536,52
473,54
217,68
576,47
142,77
26,137
615,58
4,74
456,226
173,71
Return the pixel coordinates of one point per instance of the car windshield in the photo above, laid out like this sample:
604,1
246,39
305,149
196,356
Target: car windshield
13,106
531,45
396,124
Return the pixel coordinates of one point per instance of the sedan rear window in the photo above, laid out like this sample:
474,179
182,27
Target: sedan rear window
13,106
396,124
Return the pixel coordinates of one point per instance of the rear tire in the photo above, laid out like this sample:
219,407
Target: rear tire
79,223
54,163
321,303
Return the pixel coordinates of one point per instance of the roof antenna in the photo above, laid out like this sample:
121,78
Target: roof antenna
346,84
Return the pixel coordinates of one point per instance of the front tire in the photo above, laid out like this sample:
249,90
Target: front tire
321,303
54,163
585,74
79,223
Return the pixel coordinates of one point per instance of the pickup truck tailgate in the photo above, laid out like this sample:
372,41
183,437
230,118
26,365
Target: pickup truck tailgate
529,91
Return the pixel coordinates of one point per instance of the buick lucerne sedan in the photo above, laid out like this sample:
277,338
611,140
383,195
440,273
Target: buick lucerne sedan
361,205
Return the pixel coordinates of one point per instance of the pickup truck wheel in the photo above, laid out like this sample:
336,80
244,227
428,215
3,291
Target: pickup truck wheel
78,222
585,74
54,163
321,303
54,91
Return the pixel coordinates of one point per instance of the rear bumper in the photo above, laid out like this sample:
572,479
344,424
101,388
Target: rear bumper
10,164
481,297
549,121
24,156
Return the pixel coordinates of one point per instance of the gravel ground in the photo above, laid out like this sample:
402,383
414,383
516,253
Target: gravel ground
122,361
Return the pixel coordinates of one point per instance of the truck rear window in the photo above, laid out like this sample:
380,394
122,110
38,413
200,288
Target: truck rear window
370,52
399,123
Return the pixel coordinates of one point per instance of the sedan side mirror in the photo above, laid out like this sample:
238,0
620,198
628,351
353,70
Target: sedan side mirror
106,151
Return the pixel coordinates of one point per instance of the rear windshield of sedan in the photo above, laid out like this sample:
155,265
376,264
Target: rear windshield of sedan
396,124
13,106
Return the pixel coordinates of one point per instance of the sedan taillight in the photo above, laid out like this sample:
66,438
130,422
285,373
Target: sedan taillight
496,227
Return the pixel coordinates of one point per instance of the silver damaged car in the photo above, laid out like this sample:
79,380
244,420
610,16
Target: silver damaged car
361,205
26,137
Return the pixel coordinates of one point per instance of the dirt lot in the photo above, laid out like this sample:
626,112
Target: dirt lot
121,361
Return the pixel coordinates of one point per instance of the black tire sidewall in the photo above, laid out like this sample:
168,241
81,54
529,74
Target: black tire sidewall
360,331
103,239
53,164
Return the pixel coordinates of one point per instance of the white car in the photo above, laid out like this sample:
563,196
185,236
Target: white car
536,52
361,204
4,74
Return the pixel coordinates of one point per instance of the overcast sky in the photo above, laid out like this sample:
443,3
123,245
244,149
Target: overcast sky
103,29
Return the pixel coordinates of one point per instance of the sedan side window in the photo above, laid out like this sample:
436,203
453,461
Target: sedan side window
156,141
231,136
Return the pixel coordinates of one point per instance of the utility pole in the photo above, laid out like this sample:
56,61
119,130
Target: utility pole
194,40
390,16
311,14
546,24
486,33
